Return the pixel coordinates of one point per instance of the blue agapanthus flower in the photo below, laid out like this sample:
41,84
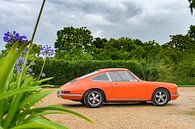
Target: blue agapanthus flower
20,61
18,65
47,51
25,51
12,37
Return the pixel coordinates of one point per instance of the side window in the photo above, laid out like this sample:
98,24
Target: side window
101,77
130,76
117,76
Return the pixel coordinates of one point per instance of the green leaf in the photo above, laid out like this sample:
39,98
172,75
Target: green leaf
8,63
45,79
47,86
32,99
55,108
22,119
40,123
28,80
17,91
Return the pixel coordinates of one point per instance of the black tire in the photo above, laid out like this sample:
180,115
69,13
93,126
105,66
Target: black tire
160,97
143,102
82,101
93,98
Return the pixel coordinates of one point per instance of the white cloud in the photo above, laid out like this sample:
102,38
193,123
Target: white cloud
143,19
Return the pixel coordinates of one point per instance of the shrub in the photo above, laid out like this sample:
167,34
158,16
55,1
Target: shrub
64,71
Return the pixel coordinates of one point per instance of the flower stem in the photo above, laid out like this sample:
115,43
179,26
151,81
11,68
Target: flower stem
30,44
44,61
38,19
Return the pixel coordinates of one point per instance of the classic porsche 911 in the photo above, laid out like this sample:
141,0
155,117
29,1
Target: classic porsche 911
116,85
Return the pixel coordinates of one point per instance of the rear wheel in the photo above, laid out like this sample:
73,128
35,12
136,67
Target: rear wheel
94,98
160,97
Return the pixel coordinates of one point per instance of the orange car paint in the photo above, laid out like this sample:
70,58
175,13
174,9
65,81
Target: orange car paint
117,91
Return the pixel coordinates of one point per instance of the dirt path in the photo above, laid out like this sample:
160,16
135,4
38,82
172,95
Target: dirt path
179,114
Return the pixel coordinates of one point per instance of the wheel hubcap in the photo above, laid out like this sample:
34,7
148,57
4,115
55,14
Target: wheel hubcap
160,97
94,98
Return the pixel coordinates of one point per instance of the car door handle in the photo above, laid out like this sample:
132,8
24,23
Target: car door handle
115,84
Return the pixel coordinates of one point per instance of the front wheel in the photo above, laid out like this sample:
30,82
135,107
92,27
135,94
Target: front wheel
82,101
160,97
93,98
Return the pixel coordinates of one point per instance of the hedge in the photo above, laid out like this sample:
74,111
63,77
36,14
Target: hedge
64,71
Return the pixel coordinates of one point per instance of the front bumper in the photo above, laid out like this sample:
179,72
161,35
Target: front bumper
69,96
174,96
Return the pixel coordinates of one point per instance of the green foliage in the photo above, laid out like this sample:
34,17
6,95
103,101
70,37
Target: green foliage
123,48
178,45
191,32
64,71
34,50
20,92
185,71
172,62
18,95
71,40
76,56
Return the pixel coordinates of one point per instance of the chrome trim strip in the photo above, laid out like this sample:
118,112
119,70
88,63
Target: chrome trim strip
99,80
71,94
68,94
109,76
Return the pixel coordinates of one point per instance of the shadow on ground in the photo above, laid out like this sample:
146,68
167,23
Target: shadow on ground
130,104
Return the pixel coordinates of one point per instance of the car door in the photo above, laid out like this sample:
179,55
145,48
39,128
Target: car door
127,87
103,82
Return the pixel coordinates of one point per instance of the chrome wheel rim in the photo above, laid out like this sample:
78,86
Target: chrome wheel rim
160,97
94,98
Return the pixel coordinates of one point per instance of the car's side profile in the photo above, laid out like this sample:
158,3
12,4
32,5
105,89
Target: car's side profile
116,85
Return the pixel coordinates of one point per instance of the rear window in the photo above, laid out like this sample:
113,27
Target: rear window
101,77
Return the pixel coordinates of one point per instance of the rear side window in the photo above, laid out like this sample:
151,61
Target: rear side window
118,76
101,77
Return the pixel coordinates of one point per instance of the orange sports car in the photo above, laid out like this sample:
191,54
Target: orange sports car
116,85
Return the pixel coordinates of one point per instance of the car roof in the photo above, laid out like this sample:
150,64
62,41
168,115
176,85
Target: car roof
112,69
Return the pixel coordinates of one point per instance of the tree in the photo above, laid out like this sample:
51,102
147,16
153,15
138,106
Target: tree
151,50
178,45
71,40
98,49
191,32
181,42
99,42
192,5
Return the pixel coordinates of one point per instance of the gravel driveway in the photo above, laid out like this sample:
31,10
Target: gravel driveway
179,114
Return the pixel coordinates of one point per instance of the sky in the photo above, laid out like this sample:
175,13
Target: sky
142,19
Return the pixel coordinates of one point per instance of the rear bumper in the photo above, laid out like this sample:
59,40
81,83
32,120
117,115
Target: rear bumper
69,96
174,96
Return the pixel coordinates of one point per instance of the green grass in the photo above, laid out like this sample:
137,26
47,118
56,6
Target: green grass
186,85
